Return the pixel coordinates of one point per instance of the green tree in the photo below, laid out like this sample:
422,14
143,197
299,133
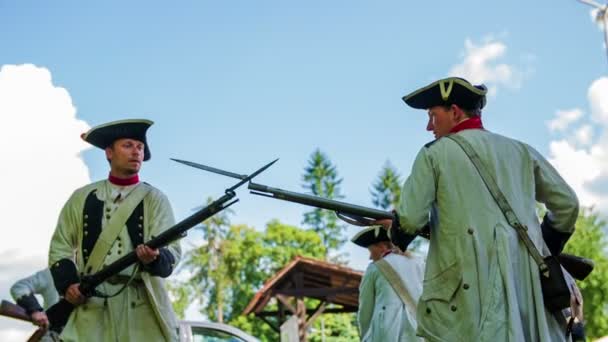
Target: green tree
208,283
386,194
280,244
335,328
321,179
247,259
386,191
589,241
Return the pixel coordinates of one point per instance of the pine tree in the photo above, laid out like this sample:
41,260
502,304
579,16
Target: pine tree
321,179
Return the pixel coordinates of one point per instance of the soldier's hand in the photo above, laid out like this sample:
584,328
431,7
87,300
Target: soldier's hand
146,254
39,318
74,296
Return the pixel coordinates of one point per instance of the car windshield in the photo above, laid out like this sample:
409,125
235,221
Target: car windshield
201,334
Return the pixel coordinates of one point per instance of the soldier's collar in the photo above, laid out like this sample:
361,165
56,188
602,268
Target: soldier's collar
472,123
123,181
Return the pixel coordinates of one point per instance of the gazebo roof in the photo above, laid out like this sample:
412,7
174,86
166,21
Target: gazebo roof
311,278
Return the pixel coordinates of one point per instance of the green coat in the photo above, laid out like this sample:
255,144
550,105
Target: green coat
382,316
142,312
480,282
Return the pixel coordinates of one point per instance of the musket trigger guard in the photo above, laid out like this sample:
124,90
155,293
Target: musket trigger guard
355,220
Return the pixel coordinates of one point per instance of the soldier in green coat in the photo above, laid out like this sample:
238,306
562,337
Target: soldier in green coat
389,290
481,283
100,223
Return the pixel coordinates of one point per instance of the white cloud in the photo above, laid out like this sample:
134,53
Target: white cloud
584,135
563,119
585,167
579,167
480,65
598,100
41,166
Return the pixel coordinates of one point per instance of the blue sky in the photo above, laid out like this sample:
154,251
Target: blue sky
235,84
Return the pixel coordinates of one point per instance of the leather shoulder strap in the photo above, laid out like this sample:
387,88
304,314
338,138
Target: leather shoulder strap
396,282
501,200
114,226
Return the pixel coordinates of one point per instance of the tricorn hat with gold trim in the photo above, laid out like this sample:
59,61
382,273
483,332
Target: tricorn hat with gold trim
448,91
104,135
370,235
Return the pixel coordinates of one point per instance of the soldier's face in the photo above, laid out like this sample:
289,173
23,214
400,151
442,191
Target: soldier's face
126,156
441,120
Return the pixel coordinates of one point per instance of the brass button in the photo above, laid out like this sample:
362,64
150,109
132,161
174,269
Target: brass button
453,308
140,234
140,225
465,286
86,216
84,250
86,232
470,231
86,224
141,218
428,310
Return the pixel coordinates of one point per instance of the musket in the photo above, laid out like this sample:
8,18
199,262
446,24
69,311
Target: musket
350,213
59,313
578,267
12,310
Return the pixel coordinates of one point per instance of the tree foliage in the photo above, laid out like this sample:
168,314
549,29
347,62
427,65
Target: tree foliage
386,191
589,241
247,259
386,194
321,179
335,328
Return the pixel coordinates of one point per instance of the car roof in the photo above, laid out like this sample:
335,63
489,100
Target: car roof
222,327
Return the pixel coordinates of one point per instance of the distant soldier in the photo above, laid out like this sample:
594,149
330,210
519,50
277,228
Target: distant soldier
24,291
102,222
389,290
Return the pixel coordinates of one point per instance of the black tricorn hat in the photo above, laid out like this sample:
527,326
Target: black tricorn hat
448,91
369,236
104,135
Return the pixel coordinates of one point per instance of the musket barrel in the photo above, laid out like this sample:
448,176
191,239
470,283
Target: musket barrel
320,202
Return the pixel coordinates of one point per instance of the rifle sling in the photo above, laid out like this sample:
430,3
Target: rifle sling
396,282
501,200
116,223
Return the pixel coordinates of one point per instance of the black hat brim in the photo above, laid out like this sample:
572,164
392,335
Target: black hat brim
368,237
448,91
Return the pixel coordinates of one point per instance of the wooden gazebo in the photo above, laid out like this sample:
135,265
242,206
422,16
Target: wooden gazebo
310,278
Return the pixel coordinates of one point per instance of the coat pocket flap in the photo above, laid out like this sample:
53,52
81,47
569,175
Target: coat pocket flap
443,285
